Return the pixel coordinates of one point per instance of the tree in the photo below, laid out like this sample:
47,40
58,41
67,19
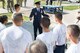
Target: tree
59,2
19,2
3,3
25,2
10,5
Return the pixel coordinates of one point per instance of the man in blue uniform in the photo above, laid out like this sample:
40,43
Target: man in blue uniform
37,13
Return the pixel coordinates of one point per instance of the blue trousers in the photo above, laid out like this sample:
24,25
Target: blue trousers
59,49
36,26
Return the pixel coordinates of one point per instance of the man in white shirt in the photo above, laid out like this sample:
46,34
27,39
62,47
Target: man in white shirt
60,31
16,9
15,39
3,22
47,36
73,32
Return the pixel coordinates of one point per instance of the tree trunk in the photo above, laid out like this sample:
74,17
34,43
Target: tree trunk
59,2
20,2
3,3
10,5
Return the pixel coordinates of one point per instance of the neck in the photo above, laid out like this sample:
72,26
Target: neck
16,25
60,22
37,7
46,30
74,41
3,23
17,11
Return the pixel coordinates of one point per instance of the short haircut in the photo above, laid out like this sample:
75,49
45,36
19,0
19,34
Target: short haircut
17,16
16,6
37,47
74,30
3,19
46,16
58,15
38,2
45,21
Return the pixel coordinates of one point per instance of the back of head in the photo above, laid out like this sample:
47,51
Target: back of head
17,19
16,6
58,15
17,16
37,47
45,22
3,19
74,30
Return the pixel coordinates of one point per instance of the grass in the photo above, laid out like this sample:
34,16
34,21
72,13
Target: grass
10,16
43,2
71,7
64,2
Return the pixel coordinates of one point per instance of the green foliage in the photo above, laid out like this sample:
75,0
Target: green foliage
36,0
71,7
10,16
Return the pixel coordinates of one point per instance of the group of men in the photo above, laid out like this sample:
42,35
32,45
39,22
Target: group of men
10,4
16,39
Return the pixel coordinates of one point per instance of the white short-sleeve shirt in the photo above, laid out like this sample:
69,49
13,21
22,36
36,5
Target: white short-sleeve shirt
49,39
15,39
74,48
2,26
60,32
13,14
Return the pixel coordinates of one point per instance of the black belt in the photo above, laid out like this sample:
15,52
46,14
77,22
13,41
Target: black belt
60,45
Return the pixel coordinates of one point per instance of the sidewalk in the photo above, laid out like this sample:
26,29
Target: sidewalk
3,10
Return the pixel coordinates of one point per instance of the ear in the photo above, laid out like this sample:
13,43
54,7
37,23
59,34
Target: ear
41,25
68,35
5,22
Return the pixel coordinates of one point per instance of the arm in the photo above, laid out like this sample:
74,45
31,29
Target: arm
30,41
44,13
55,32
1,48
32,14
26,50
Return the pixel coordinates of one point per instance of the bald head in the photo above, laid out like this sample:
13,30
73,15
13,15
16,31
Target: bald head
37,47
